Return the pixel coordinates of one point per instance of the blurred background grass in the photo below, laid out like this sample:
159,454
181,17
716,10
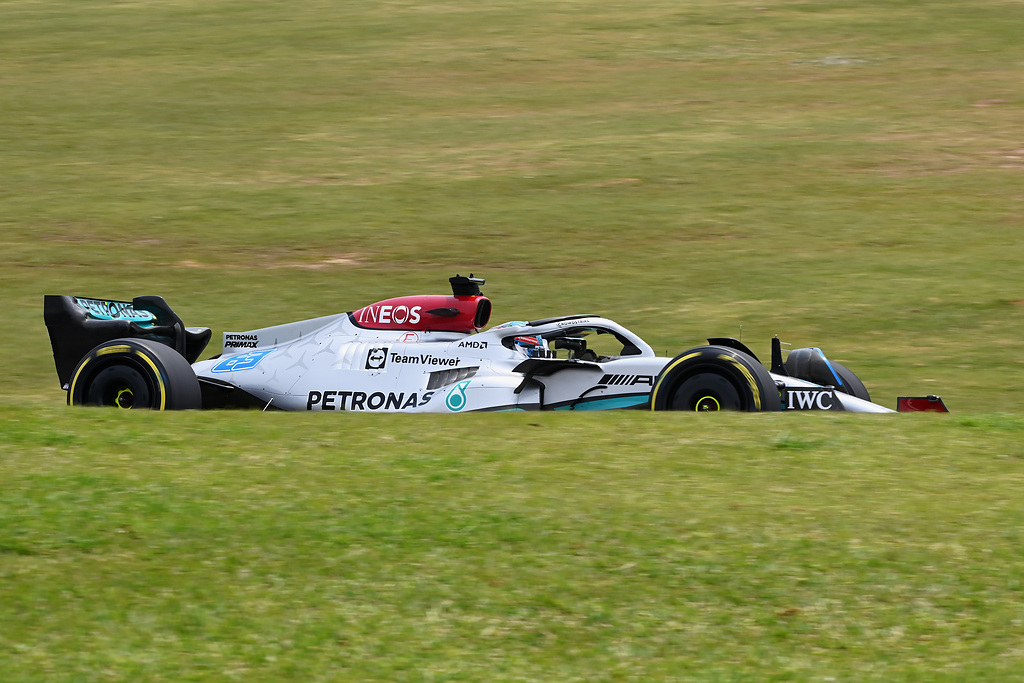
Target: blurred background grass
843,174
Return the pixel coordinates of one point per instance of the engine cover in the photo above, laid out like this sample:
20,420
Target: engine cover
427,313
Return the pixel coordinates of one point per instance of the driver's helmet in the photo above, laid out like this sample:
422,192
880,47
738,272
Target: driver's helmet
531,346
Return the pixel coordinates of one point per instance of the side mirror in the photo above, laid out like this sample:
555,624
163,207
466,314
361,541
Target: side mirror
571,343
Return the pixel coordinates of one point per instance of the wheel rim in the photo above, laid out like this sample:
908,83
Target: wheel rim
707,404
120,386
125,398
706,392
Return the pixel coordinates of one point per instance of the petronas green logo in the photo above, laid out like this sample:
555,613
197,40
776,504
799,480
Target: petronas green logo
456,400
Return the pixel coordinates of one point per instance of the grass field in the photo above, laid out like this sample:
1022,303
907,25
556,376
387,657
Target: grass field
842,173
217,547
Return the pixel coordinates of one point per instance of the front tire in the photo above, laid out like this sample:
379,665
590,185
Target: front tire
133,374
715,378
810,364
851,382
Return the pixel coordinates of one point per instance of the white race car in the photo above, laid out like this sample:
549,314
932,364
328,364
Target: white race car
426,354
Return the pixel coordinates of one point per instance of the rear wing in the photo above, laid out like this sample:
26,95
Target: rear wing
77,325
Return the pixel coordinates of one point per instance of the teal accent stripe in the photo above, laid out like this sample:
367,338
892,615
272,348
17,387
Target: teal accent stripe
608,403
830,368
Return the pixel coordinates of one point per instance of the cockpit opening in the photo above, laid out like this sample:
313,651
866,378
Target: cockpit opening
587,343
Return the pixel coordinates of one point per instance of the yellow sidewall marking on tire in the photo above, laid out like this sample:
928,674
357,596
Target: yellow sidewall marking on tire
750,378
664,373
120,348
159,378
74,380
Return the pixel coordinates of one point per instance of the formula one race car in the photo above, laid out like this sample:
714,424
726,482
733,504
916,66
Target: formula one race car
426,354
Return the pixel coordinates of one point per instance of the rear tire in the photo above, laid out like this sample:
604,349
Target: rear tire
135,374
714,378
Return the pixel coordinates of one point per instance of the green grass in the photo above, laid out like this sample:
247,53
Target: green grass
842,173
642,547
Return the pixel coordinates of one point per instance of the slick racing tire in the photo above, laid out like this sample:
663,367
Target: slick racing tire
810,364
713,378
133,374
851,383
